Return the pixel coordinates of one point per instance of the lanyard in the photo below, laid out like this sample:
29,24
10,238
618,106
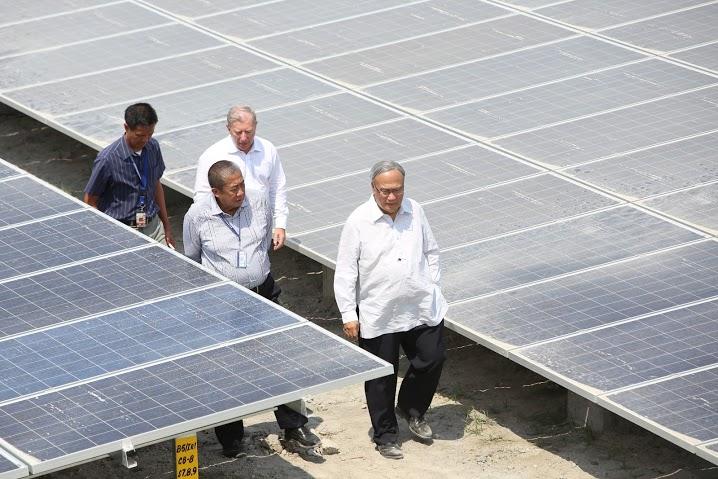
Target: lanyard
231,228
142,176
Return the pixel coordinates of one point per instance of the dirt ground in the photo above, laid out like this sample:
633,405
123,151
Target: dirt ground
492,417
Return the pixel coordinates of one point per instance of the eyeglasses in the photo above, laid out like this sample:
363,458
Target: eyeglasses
385,192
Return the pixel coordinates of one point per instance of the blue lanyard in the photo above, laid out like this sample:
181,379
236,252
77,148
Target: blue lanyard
142,175
231,228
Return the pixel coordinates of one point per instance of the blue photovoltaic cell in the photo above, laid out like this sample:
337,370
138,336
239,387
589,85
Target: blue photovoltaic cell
94,287
597,297
6,465
555,249
82,350
697,206
24,199
6,171
636,351
62,240
685,404
61,423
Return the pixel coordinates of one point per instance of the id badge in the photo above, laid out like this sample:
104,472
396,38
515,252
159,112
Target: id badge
140,219
241,259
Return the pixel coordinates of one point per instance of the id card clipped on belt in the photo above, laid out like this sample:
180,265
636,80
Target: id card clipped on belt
140,215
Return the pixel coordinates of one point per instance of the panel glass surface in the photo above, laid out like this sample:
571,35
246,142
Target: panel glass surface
705,56
595,298
506,208
620,131
184,178
10,470
204,103
183,148
684,404
698,206
586,95
74,27
84,58
439,50
324,242
554,250
671,32
63,240
121,86
359,149
24,199
269,20
58,424
592,14
384,27
110,343
330,202
656,170
6,171
22,11
637,351
198,8
323,116
95,287
495,75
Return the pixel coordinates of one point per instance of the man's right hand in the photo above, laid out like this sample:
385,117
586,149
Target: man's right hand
351,330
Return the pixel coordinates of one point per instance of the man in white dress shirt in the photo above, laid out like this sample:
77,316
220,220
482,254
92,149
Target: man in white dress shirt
228,233
259,162
386,285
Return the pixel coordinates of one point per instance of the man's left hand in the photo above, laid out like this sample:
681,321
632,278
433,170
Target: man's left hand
278,237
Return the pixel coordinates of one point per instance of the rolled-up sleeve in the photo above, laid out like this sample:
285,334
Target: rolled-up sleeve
347,271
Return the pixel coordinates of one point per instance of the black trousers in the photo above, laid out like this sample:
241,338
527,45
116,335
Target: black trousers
287,418
425,349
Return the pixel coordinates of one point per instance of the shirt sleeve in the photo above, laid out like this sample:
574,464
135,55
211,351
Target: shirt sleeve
347,272
431,249
278,192
191,238
100,177
201,182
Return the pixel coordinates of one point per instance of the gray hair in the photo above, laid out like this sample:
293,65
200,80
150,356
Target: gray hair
236,112
384,166
220,172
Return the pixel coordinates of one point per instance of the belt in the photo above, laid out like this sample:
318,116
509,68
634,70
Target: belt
133,223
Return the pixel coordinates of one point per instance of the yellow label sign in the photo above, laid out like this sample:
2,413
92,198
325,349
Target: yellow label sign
186,461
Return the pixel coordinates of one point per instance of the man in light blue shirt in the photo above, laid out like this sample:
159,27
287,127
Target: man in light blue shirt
231,234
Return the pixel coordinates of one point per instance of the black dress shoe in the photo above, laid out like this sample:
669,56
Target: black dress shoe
233,449
390,450
417,426
302,435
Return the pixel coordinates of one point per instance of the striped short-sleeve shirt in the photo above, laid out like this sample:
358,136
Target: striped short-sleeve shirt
117,182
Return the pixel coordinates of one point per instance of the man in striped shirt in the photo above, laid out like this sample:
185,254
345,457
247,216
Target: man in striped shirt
125,181
231,234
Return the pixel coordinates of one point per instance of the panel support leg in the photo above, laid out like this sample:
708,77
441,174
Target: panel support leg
585,413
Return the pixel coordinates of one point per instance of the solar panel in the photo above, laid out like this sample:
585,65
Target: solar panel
593,298
670,32
619,131
555,249
96,286
656,170
150,332
509,207
62,240
637,351
500,74
366,31
697,206
588,14
6,171
705,56
11,468
38,8
24,199
161,400
111,52
437,50
708,451
684,404
558,102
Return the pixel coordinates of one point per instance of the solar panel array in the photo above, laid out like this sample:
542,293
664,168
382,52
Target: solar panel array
107,337
564,152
